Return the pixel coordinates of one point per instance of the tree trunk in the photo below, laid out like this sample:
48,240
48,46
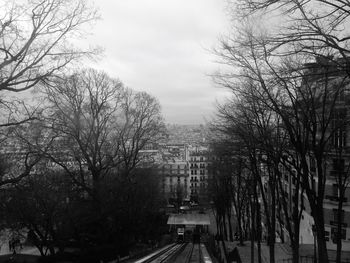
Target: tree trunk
258,224
241,240
339,228
295,250
281,228
322,253
272,240
217,224
229,226
225,226
295,237
252,231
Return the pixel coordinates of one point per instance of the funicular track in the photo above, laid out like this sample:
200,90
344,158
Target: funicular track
163,255
192,253
179,253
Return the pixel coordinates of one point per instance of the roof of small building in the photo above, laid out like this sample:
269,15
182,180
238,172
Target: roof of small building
188,219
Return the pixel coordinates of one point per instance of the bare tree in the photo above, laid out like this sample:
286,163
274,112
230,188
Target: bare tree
100,126
41,204
230,176
308,27
140,123
34,44
82,111
287,86
250,122
19,154
340,172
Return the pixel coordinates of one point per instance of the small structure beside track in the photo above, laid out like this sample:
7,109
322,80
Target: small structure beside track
189,227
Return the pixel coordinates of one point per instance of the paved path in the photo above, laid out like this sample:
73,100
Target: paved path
282,252
28,250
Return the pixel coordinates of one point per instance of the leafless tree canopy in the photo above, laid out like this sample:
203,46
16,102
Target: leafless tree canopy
34,39
297,67
98,124
35,44
308,27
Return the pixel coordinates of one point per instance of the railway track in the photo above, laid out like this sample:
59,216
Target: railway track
162,255
179,253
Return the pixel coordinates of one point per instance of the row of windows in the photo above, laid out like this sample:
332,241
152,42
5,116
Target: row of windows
177,171
194,172
192,181
178,179
194,165
197,159
334,234
195,178
196,185
338,125
178,167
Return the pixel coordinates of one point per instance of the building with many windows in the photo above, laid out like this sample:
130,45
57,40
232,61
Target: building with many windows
175,181
337,162
185,178
198,168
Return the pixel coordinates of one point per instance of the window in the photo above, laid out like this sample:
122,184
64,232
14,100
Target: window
326,235
334,234
335,215
338,165
338,128
335,190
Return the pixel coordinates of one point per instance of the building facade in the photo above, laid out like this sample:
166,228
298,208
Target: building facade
337,151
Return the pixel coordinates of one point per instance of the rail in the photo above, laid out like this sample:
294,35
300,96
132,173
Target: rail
182,253
161,255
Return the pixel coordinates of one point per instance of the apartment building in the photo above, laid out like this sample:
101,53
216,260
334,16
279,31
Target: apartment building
198,169
175,181
185,178
337,164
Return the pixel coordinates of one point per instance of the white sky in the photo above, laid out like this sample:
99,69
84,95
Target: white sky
164,47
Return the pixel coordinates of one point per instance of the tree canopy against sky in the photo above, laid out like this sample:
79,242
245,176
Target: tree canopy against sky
36,44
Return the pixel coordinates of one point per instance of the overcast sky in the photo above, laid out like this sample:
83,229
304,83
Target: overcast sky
163,47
